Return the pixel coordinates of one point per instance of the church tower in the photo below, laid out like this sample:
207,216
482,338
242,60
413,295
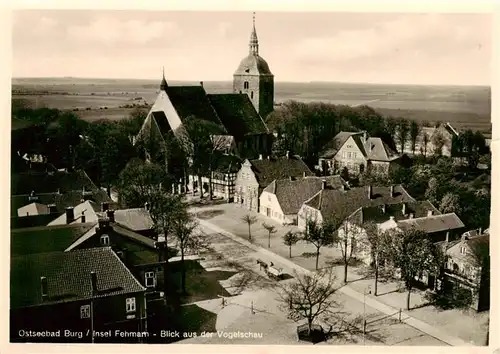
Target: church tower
254,78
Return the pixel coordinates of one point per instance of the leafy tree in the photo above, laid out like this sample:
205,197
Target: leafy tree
414,133
450,203
187,240
139,180
431,192
391,125
290,239
425,142
438,141
310,297
412,253
249,220
479,257
271,230
321,235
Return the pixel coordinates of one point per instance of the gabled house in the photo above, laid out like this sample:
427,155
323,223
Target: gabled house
340,204
255,175
81,213
464,266
62,294
282,199
134,219
358,153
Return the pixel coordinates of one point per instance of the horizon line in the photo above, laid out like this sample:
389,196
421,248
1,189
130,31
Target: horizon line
284,81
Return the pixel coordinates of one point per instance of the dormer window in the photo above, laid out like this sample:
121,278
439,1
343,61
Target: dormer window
150,279
85,311
104,240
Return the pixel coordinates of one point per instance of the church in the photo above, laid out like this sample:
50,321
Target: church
240,114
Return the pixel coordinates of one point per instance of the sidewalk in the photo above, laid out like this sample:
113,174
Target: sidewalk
346,289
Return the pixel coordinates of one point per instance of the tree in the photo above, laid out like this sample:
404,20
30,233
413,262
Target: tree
431,193
271,230
425,143
348,238
140,181
403,130
310,297
479,258
375,244
290,239
321,235
450,203
204,143
438,141
187,240
413,253
414,133
249,220
167,211
391,125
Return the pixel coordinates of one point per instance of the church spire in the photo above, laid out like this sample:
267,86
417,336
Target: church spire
254,42
163,85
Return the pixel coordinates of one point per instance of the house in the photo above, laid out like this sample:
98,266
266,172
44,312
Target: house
134,219
69,296
340,204
463,268
51,192
438,227
358,153
282,199
431,139
83,212
257,174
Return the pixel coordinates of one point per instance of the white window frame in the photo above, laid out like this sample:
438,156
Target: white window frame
85,311
130,304
104,240
150,275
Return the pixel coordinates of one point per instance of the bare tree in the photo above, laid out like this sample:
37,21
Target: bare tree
187,241
425,143
290,239
413,253
373,241
271,230
310,297
321,235
403,130
348,238
250,220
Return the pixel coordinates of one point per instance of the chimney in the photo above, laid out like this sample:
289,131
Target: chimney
392,191
288,154
480,231
70,215
52,208
369,192
429,213
304,174
403,209
146,205
83,217
44,287
103,224
410,216
269,157
447,236
111,215
93,282
105,206
383,208
364,137
391,218
323,184
201,83
260,156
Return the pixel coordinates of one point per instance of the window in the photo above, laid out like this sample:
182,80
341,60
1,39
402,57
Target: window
104,240
149,278
251,95
245,85
85,311
130,304
349,146
463,250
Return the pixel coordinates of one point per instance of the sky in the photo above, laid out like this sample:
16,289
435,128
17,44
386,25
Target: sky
398,48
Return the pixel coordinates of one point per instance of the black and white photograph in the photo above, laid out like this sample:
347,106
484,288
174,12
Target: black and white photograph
250,177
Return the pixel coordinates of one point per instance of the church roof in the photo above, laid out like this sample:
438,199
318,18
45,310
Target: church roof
237,114
253,64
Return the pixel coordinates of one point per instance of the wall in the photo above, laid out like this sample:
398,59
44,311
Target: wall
260,91
350,156
269,200
247,188
307,213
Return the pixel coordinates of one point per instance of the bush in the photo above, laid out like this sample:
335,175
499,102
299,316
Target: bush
446,299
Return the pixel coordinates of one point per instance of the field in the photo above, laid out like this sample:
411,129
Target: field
463,106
